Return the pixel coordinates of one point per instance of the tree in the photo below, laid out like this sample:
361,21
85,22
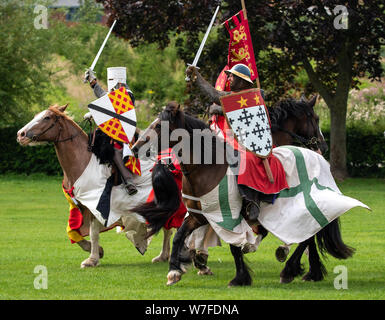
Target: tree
298,34
88,11
23,57
313,35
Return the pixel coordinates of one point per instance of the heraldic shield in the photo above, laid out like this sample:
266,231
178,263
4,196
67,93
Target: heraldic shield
247,116
114,114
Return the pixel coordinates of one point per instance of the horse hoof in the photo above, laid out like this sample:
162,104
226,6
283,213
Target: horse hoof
173,277
281,253
233,283
240,282
286,280
89,263
205,272
309,277
159,259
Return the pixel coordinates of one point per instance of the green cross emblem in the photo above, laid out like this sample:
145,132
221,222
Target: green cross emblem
305,187
228,221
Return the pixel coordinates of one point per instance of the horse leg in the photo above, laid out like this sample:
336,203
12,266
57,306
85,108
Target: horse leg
86,246
242,277
180,255
203,238
293,266
165,253
200,262
317,270
282,252
93,259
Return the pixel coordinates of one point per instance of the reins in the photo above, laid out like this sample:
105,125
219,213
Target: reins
36,136
303,141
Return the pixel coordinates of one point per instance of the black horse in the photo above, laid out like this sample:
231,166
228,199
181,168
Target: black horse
329,239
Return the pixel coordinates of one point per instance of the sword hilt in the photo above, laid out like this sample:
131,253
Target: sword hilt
187,79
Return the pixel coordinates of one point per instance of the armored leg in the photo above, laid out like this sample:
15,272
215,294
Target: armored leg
125,174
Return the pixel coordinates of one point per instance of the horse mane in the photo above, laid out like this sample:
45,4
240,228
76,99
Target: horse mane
285,109
55,109
181,119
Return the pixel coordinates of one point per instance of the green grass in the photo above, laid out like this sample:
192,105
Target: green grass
33,219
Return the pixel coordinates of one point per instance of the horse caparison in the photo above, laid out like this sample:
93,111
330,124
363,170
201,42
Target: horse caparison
200,179
72,148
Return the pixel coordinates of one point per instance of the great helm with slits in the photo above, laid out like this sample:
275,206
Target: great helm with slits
240,70
116,75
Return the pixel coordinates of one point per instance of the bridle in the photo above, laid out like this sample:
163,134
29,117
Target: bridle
36,136
304,142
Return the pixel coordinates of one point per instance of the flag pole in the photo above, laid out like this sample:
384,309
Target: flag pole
264,161
245,16
244,9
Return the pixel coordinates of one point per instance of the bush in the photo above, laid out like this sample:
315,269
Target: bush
365,158
26,160
365,150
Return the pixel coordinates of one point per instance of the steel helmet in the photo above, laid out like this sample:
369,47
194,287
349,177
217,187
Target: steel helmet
115,75
241,70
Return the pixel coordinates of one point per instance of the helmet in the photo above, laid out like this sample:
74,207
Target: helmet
115,75
240,70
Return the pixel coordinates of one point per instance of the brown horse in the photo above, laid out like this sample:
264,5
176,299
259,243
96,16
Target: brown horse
198,180
294,122
71,145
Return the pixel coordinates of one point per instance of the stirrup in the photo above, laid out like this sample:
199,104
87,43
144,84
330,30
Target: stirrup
253,212
131,189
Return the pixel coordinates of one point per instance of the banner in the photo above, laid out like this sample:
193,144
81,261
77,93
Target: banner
240,50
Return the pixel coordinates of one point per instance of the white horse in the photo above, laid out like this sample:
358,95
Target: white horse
92,182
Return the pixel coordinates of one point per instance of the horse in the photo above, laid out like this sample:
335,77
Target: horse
72,148
294,122
198,180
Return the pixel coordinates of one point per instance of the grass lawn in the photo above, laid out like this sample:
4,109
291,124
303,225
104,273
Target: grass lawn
33,219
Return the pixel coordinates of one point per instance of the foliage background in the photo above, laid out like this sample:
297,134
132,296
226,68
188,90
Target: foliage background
48,69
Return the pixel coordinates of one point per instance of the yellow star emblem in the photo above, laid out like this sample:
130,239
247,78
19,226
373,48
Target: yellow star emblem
257,101
243,102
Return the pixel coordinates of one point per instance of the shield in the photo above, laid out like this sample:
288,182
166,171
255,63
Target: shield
114,114
247,116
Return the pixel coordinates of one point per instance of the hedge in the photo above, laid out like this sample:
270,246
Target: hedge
365,158
365,151
18,159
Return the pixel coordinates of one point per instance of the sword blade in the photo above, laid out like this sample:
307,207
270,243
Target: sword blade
102,47
197,56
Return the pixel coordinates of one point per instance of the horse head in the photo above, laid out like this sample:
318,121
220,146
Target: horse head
295,121
44,127
310,127
169,119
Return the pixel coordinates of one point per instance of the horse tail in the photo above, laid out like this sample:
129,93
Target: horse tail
329,239
166,199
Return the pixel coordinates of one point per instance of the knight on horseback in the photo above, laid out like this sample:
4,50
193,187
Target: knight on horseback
253,192
116,78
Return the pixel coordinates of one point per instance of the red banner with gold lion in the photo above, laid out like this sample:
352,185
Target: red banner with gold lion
240,50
